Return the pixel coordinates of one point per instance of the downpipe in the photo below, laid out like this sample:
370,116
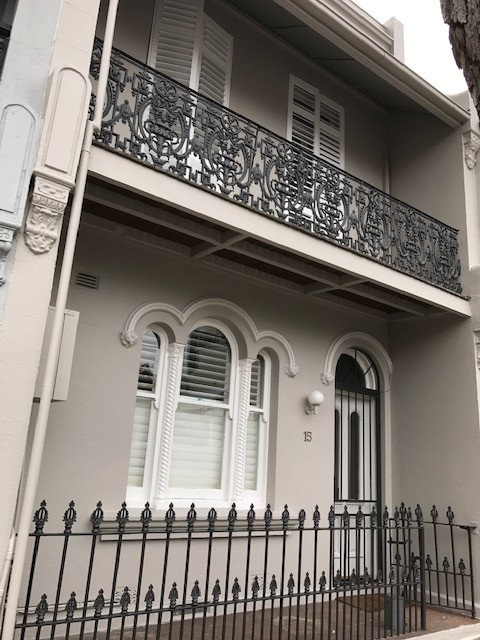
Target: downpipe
33,470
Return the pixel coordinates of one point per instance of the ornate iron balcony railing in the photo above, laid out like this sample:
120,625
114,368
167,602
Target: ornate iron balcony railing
154,120
4,39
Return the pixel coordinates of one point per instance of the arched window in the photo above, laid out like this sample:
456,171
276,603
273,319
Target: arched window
144,406
257,425
217,441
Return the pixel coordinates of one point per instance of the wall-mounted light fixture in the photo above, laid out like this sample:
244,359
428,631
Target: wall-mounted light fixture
314,400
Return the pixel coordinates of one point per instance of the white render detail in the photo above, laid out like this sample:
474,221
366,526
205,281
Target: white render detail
174,372
471,141
208,306
476,335
6,240
245,369
357,339
128,338
327,378
42,225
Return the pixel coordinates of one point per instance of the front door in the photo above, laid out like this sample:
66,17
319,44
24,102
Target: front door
357,461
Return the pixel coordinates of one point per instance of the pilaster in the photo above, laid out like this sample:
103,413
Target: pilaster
174,370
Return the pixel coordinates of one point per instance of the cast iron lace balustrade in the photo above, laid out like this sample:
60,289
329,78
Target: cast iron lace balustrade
154,120
4,39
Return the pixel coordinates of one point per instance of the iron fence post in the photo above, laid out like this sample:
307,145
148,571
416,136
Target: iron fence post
472,581
421,546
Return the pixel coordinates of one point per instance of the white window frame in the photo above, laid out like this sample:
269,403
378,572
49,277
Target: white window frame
319,98
213,495
137,496
257,496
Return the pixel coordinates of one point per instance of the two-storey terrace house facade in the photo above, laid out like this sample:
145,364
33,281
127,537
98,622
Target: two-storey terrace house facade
274,277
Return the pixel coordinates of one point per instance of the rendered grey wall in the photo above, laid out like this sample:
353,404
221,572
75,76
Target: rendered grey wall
95,423
426,169
435,433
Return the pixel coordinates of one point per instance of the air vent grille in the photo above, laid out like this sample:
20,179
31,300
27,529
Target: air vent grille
87,280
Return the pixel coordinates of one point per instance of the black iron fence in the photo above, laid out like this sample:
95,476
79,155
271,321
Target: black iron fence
360,575
154,120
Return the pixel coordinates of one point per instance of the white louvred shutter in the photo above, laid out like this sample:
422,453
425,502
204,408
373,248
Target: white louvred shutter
147,373
206,366
253,425
304,118
174,38
215,62
199,429
331,132
138,450
197,447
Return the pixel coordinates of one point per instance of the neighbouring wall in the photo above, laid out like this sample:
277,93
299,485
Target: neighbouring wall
435,423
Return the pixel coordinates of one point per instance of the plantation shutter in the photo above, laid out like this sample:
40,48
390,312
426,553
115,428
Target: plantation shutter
147,372
316,123
206,365
197,447
199,429
215,63
174,38
331,133
253,425
304,118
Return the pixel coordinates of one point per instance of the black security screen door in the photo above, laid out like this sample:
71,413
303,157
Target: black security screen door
357,430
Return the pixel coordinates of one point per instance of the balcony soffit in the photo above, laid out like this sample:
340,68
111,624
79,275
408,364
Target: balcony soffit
144,220
348,67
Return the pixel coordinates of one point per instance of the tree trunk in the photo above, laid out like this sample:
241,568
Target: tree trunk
463,18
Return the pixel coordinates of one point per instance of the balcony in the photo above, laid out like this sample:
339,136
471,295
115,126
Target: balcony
154,120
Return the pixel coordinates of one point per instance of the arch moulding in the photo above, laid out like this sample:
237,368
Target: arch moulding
213,308
361,341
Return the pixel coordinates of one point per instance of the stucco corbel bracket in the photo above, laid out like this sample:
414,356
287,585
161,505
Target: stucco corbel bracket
45,211
476,335
6,242
471,141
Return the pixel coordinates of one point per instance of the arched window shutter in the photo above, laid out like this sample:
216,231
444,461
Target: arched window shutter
173,43
147,372
254,424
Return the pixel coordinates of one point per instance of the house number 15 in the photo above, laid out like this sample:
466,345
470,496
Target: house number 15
307,436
